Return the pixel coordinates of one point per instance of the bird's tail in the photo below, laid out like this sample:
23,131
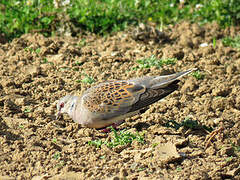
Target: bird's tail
164,81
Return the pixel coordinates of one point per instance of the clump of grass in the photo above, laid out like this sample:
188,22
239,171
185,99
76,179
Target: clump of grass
198,75
30,49
232,42
120,138
87,79
98,143
153,61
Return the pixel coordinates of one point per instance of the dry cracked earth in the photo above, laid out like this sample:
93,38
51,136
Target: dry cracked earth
36,71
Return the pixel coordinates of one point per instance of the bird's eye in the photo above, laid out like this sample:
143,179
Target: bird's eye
62,105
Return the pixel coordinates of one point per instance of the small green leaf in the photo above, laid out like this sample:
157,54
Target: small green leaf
27,110
88,80
56,156
38,50
198,75
46,20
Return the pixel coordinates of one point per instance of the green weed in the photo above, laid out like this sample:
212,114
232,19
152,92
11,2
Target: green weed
232,42
179,169
229,159
27,110
214,42
102,157
21,126
198,75
120,138
38,50
56,156
54,140
87,79
153,61
154,145
44,61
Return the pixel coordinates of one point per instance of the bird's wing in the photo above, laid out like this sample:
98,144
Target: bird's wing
151,95
112,99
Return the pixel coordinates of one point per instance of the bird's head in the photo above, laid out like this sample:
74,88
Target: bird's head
66,105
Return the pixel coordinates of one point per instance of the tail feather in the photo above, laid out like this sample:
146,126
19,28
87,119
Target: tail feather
164,81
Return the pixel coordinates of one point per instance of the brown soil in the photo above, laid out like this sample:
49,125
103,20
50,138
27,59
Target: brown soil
35,145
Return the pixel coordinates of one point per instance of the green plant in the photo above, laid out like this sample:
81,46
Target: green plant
27,110
155,145
123,138
141,169
214,42
44,61
225,13
87,79
198,75
153,61
38,50
19,17
102,16
28,49
229,159
232,42
120,138
78,63
21,126
102,157
98,143
179,169
56,156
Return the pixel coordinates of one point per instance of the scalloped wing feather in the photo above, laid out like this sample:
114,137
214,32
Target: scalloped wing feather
112,98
